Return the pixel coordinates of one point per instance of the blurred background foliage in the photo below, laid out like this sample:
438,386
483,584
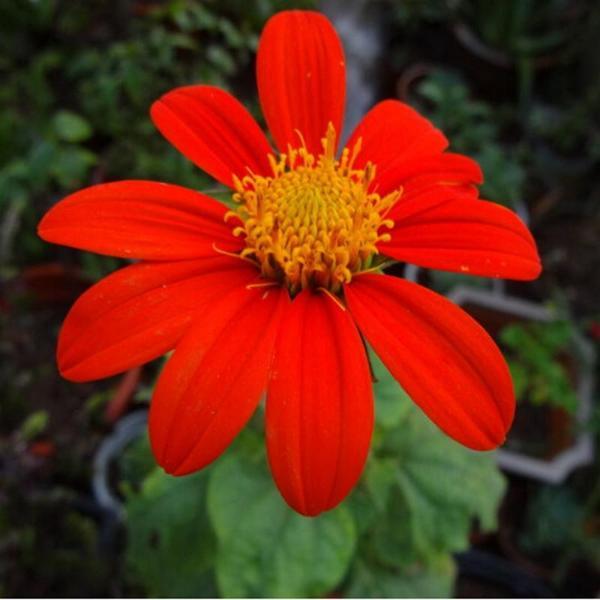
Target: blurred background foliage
515,85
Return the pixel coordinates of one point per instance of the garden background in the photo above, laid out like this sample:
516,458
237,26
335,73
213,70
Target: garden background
84,511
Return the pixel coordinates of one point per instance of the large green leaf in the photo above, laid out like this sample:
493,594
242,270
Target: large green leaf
170,545
427,489
393,539
446,486
380,479
265,549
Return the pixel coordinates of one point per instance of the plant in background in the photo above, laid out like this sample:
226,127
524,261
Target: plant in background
525,33
536,357
475,128
568,142
76,83
412,13
521,28
271,296
561,523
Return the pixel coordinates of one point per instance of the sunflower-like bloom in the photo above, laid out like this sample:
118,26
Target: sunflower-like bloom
279,293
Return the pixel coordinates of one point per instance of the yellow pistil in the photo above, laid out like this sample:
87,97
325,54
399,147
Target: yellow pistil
313,223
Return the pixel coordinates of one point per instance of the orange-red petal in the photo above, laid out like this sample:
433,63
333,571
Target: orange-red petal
319,405
462,235
444,360
301,78
214,130
213,382
139,219
442,173
392,133
140,312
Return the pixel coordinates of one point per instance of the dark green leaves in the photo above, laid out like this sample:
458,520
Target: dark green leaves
170,544
427,490
369,582
71,127
537,353
266,549
240,534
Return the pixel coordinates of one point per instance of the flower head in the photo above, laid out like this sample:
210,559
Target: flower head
278,293
316,220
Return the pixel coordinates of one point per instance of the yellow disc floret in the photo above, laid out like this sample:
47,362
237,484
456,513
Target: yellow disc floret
313,222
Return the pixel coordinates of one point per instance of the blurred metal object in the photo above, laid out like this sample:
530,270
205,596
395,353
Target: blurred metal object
127,429
360,29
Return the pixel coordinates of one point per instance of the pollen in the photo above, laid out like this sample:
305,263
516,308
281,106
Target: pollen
316,221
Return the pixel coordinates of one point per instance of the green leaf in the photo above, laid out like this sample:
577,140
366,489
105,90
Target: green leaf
265,549
439,489
71,127
519,376
380,478
393,539
170,545
445,486
538,358
71,165
34,424
392,404
364,509
372,582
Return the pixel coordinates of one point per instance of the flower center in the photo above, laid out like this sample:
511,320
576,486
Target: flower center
313,223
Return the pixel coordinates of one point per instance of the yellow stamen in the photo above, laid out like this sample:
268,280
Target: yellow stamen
232,254
334,298
262,284
314,222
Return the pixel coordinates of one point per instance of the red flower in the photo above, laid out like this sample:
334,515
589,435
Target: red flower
277,294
